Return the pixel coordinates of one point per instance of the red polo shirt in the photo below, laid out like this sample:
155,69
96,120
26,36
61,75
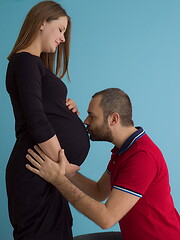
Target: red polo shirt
139,168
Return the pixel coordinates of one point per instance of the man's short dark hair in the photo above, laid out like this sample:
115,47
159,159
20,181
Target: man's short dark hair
115,100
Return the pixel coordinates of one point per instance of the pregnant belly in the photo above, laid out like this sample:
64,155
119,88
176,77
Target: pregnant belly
73,138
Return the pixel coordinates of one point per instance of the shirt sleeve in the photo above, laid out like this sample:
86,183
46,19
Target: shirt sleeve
137,174
28,77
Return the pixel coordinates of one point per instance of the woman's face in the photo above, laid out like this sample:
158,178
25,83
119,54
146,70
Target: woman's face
52,34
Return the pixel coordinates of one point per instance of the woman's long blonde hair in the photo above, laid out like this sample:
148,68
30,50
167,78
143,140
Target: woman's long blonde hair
47,10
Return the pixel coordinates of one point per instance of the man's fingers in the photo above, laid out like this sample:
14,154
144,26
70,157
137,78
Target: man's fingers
34,170
62,158
35,156
77,168
34,162
41,153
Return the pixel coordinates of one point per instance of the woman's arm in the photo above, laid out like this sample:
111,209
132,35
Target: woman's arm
29,77
51,147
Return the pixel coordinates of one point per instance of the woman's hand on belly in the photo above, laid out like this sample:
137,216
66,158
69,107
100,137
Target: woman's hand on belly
72,106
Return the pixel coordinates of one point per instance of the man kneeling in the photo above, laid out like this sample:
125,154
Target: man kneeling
135,184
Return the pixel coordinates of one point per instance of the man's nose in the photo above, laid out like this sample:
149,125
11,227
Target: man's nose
86,121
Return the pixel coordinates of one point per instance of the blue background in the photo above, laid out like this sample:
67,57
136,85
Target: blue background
132,45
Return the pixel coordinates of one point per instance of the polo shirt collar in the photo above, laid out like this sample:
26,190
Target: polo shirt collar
131,140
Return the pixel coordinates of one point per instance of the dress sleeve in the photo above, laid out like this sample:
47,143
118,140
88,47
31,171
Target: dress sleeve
28,77
137,174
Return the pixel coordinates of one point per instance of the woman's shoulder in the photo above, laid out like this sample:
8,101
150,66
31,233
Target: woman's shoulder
25,57
25,64
24,61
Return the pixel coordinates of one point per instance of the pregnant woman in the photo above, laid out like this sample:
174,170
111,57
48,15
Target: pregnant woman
37,210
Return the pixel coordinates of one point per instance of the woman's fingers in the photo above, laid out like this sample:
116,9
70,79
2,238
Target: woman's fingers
72,106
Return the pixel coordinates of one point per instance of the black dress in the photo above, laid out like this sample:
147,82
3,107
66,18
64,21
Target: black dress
37,210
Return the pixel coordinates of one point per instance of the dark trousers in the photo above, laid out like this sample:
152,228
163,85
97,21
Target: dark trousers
100,236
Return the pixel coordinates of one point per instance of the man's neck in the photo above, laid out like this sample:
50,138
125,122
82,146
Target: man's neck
122,135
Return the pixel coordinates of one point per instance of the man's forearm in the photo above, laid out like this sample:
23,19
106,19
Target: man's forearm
91,208
87,186
105,215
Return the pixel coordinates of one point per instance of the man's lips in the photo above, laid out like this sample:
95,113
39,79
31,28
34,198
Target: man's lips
87,130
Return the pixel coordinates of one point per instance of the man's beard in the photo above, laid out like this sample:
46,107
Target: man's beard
101,133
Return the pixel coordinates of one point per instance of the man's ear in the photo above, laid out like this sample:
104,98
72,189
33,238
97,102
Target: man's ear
42,25
114,118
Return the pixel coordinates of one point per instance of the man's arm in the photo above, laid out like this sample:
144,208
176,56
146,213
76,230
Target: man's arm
104,215
98,190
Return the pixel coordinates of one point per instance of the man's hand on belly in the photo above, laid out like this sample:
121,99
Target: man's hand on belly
48,169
